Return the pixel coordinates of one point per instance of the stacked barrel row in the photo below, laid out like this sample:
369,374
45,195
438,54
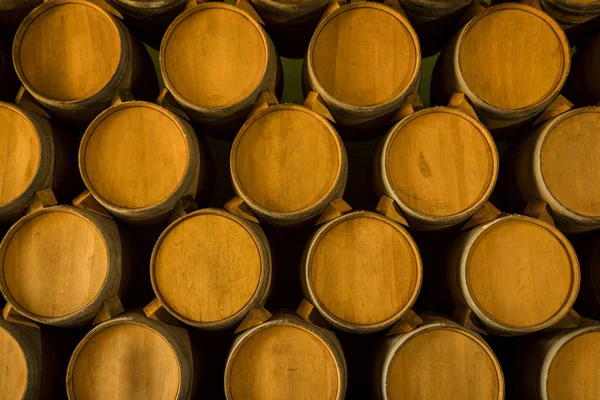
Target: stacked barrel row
115,228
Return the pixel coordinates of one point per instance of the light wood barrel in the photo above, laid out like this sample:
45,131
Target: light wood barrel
441,178
290,23
138,159
563,365
20,361
216,60
583,87
285,358
60,264
439,356
517,274
132,356
210,267
559,163
149,19
511,61
12,13
38,157
362,271
72,56
287,164
570,13
363,60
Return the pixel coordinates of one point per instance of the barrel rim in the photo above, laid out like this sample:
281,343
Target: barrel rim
43,175
300,7
489,320
30,355
192,168
307,212
17,4
269,62
264,281
430,219
162,330
573,6
328,339
392,103
150,5
401,340
108,287
115,81
517,112
439,6
312,296
545,192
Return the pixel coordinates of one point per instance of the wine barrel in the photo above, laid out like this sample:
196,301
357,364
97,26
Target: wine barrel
570,13
517,274
583,87
290,23
216,60
285,358
12,13
363,60
209,268
563,365
439,356
132,356
149,19
72,56
287,164
59,264
441,178
361,271
38,157
511,61
138,159
559,163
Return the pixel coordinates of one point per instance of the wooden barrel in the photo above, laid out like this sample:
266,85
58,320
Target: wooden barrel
149,19
216,60
570,13
511,61
434,21
517,274
210,267
138,159
132,356
442,178
72,56
40,157
290,23
559,163
285,358
20,361
583,87
363,60
287,164
563,365
59,264
361,271
12,13
439,356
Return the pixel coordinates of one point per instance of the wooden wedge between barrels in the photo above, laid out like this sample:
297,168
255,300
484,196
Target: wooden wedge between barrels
314,102
255,317
460,102
335,209
238,207
571,320
109,309
156,311
411,103
166,100
121,96
539,210
183,207
11,315
409,321
265,100
559,105
42,199
464,316
87,202
486,213
26,101
389,208
307,311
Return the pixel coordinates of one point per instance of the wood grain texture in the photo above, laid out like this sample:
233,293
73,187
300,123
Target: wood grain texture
362,271
285,358
210,268
440,165
288,163
13,367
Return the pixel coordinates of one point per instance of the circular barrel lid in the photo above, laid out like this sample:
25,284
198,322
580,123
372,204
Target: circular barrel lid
511,57
439,162
20,153
287,160
520,273
364,55
568,163
443,359
54,263
214,56
67,50
282,362
574,371
123,361
136,155
13,364
362,271
210,267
